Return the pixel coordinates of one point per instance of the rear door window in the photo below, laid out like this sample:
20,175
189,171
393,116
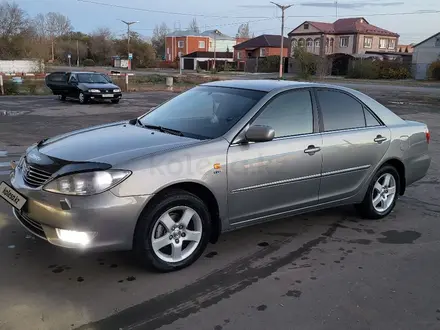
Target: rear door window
340,111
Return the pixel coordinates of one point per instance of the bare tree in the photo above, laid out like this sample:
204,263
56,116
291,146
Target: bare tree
57,25
243,31
13,19
193,26
101,45
158,40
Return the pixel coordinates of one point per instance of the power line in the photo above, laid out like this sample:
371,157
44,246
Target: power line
165,12
417,12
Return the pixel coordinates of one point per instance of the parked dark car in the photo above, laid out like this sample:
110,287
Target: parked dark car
84,86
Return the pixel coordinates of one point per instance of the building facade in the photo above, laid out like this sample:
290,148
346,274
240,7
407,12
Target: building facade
424,54
180,43
345,36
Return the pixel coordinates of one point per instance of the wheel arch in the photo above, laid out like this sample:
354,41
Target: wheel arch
202,192
400,168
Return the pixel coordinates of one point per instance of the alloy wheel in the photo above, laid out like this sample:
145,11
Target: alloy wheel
176,234
384,192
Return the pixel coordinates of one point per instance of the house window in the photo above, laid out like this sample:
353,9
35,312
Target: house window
202,44
294,43
317,43
262,52
180,43
238,55
343,42
301,43
383,43
391,44
437,42
306,26
368,42
309,44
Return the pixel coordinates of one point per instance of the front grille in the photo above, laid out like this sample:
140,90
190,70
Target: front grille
31,225
33,176
107,90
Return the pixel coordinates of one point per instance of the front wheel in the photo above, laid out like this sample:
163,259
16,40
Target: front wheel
82,98
382,194
62,97
172,233
115,101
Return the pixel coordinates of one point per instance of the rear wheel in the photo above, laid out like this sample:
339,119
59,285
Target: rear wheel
82,98
172,233
382,194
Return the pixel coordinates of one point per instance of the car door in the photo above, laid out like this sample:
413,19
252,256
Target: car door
353,142
72,86
275,177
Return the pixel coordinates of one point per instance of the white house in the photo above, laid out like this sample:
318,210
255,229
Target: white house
424,54
219,42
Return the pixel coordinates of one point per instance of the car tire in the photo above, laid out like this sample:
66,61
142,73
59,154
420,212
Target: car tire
382,194
115,101
151,227
62,97
82,98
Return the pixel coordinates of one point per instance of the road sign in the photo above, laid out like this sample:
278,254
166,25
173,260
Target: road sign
130,56
69,56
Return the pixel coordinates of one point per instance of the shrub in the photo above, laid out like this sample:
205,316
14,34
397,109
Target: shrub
306,61
434,70
11,88
373,69
88,62
363,69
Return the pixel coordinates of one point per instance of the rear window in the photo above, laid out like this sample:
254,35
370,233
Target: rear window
57,77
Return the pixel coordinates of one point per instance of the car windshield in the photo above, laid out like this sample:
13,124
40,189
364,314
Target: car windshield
94,78
204,112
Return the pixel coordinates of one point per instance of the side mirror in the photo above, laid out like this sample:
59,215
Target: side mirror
259,133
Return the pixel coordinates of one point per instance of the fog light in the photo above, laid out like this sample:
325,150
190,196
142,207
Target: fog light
75,237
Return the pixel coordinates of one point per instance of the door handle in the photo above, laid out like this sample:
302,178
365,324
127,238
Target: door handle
380,139
312,150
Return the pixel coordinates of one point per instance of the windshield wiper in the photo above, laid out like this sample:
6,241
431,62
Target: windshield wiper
163,129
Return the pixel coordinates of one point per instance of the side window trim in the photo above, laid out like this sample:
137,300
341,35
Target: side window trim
364,107
294,90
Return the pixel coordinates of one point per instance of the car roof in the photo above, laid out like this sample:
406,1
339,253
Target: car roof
264,85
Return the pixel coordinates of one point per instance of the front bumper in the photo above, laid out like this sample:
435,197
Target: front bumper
111,218
100,97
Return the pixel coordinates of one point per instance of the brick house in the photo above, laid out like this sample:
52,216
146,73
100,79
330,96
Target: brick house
345,36
261,46
180,43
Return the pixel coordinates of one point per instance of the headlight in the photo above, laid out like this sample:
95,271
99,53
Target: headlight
88,183
116,90
94,91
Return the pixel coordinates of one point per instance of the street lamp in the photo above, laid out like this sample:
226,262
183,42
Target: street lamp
283,9
128,38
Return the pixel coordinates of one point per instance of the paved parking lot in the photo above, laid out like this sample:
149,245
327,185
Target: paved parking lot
325,270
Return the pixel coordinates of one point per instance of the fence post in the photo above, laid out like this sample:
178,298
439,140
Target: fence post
1,84
169,83
126,82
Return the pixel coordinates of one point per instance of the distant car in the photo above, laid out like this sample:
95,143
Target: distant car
84,86
17,80
220,156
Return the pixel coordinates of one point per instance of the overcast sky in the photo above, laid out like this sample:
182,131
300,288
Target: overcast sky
226,15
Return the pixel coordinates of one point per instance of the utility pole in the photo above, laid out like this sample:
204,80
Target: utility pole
336,7
128,39
77,52
283,9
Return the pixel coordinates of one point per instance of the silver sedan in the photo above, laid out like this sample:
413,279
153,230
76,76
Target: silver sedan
220,156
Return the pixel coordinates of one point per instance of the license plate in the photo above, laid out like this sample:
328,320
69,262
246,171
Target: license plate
11,196
107,95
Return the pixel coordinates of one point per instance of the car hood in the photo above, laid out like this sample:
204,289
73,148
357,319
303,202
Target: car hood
99,86
111,144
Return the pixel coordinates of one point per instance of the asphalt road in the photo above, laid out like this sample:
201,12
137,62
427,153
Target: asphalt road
325,270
